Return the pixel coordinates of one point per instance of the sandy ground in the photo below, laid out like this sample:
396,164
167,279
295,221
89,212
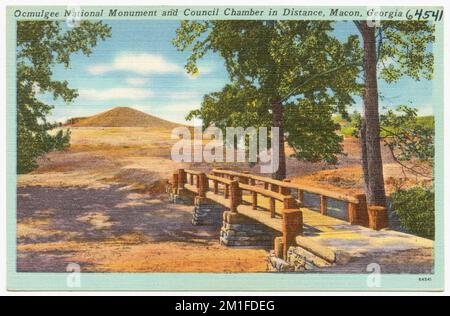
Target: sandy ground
99,204
116,229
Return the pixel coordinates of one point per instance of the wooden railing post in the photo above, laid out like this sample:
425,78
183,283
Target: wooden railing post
174,183
216,186
181,178
191,179
254,195
284,190
226,191
235,195
300,198
289,203
202,182
292,226
274,188
378,217
272,207
352,210
244,179
323,205
357,213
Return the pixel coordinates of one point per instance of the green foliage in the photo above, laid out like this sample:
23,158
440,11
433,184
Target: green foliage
426,121
408,138
312,132
297,63
415,208
40,46
349,126
402,50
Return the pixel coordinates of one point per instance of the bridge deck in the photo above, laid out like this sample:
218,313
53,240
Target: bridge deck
260,216
330,238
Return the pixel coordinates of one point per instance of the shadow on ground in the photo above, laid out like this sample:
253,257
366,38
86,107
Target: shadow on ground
71,215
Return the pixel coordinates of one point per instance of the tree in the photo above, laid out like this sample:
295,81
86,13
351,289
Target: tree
401,49
409,139
40,46
280,72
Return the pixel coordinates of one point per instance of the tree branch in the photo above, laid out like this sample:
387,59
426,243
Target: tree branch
314,77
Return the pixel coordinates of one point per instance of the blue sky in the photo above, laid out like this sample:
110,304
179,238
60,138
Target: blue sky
139,67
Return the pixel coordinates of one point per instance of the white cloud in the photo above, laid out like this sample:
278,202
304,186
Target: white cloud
136,81
183,95
98,69
115,94
143,64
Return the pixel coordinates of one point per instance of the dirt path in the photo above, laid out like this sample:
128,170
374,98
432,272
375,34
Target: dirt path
115,229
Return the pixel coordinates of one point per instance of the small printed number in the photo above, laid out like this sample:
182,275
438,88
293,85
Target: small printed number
425,279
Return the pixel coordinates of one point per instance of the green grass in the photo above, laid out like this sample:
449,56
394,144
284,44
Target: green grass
347,128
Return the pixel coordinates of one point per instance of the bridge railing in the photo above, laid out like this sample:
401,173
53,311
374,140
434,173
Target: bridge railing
291,222
356,204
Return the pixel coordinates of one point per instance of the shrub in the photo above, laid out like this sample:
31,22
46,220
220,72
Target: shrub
415,209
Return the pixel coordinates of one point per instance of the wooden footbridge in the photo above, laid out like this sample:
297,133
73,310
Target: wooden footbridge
271,202
280,206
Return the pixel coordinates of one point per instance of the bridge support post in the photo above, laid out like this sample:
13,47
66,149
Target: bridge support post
292,226
206,212
241,231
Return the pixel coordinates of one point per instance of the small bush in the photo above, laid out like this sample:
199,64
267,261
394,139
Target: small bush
415,209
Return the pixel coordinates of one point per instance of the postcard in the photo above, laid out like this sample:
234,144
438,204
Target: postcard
225,148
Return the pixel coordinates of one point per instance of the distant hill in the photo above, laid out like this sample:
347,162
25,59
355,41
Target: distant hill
123,117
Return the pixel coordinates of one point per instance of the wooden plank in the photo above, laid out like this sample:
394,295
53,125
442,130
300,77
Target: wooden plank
192,171
319,191
264,192
218,179
290,185
192,188
218,199
261,217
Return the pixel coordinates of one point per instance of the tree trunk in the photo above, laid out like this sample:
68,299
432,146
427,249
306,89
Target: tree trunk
277,121
371,149
362,142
